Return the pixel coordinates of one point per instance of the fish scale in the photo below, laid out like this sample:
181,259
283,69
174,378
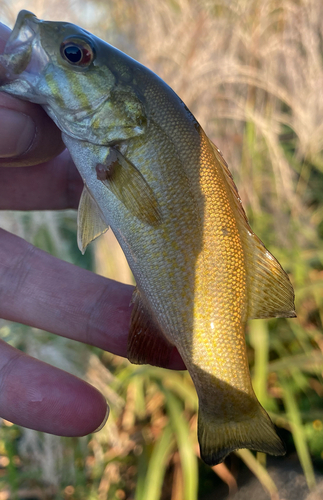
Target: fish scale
153,176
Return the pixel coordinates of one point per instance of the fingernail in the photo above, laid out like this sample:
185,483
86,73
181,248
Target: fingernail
17,133
104,420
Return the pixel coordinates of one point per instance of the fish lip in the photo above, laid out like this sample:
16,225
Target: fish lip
23,33
23,58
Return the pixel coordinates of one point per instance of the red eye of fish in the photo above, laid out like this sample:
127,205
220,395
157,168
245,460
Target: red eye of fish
77,52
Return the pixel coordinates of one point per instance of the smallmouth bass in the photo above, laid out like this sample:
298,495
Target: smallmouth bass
152,175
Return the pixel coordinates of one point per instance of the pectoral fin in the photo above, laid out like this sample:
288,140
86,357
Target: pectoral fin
125,181
146,343
90,223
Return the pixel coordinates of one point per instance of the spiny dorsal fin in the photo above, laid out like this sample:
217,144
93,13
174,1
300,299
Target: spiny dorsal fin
270,292
146,343
90,223
131,188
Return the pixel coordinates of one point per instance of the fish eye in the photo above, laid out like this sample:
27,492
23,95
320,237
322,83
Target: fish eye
77,52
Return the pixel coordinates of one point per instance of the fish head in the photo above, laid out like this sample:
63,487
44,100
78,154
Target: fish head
87,86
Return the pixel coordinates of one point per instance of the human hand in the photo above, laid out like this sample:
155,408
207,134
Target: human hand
42,291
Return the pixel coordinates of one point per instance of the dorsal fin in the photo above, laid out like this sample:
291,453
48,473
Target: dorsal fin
270,292
230,181
146,343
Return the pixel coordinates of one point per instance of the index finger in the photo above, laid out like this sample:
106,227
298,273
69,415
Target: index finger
40,290
28,136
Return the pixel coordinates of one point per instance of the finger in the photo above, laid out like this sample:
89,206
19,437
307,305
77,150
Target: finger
28,136
54,185
39,290
41,397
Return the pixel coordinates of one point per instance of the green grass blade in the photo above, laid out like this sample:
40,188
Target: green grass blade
141,474
298,434
139,396
157,466
258,336
185,447
183,388
259,471
310,363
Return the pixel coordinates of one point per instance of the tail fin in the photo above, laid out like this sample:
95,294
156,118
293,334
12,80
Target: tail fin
218,438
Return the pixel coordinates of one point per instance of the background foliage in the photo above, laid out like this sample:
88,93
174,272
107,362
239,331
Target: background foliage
252,73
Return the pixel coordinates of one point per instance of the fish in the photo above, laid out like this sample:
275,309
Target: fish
153,176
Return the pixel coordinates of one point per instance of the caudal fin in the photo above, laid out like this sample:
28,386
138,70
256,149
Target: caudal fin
218,439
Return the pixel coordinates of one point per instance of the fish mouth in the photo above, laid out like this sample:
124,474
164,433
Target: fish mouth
23,58
24,29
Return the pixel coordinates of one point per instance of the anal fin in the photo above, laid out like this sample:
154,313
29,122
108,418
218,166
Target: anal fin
146,343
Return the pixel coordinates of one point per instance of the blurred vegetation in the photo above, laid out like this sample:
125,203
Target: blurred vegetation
252,73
